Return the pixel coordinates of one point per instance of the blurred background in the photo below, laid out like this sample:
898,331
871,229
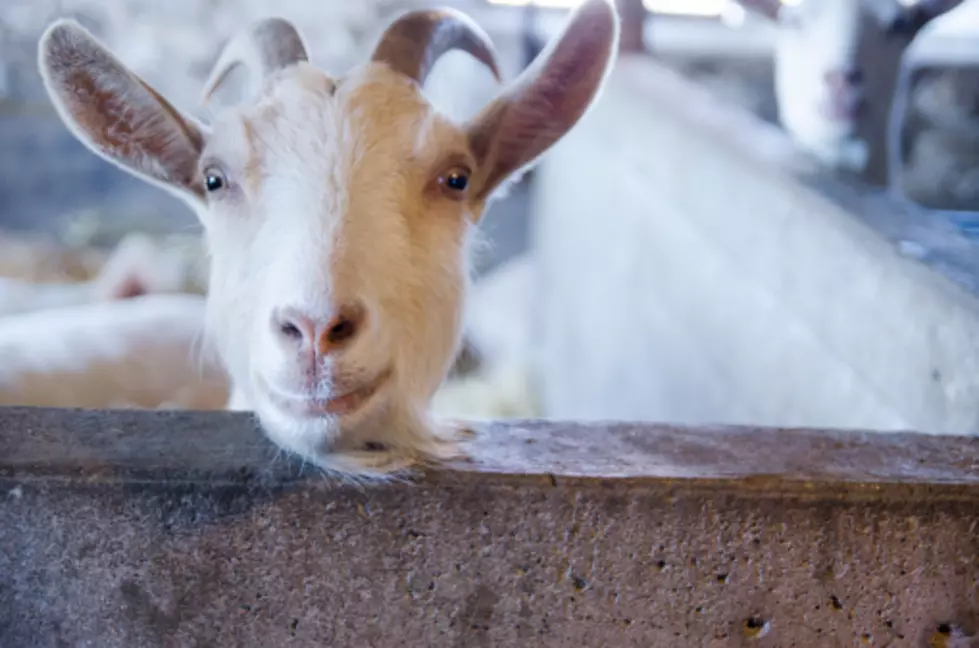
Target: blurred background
684,255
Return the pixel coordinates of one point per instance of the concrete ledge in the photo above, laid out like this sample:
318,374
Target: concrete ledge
176,529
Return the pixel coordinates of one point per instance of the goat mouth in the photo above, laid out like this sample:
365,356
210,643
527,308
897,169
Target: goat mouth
312,407
843,107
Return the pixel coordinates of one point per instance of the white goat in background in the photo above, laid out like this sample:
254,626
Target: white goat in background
140,352
337,212
819,84
115,339
137,266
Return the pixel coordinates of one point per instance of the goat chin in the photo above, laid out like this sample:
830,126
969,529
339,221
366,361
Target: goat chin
346,445
378,420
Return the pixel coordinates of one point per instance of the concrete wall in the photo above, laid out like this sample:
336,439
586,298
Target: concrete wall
166,529
705,271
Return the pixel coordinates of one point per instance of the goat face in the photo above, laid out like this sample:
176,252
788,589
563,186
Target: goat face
336,211
337,227
817,74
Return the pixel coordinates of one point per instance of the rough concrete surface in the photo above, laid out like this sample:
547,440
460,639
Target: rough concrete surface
178,529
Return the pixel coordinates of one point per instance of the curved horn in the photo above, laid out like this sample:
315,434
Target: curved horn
416,40
265,46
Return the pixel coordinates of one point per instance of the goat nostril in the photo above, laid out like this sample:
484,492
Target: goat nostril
322,336
840,78
340,332
291,330
342,329
291,327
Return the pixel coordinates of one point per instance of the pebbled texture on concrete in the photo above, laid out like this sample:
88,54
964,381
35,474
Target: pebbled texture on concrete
177,529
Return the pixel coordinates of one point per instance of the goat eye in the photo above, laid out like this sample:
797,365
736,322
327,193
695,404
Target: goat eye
214,180
455,180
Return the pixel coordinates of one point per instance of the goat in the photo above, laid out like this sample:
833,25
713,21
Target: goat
139,352
500,334
137,266
819,84
337,212
37,258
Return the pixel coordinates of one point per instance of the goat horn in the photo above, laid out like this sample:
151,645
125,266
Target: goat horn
265,46
414,42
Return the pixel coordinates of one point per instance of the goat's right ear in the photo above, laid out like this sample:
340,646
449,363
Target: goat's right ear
547,99
908,20
114,113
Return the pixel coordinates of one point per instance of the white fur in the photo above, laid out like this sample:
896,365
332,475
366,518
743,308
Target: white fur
816,38
500,327
142,352
66,344
18,296
332,201
500,391
499,317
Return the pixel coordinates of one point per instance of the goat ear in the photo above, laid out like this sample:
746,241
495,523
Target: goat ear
114,113
908,21
547,99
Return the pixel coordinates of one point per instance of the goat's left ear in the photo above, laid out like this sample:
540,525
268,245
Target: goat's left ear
115,113
547,99
908,21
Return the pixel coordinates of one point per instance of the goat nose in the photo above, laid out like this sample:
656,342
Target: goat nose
321,335
840,78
